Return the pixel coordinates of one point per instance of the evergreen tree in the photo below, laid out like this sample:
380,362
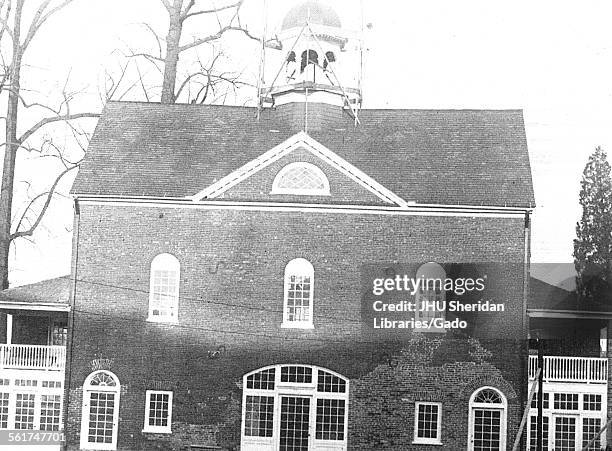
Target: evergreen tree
593,243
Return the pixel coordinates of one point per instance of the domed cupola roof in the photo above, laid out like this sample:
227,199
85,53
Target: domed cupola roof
319,14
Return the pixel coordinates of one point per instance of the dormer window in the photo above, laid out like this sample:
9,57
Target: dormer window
301,179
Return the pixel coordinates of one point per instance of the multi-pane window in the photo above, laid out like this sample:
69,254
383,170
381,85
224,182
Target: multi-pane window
427,422
24,411
591,402
259,413
565,433
533,433
488,420
50,412
301,179
299,281
295,407
566,401
4,410
296,374
545,403
330,419
164,288
431,294
590,430
100,411
158,411
59,334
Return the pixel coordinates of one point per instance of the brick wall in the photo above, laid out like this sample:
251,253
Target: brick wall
232,265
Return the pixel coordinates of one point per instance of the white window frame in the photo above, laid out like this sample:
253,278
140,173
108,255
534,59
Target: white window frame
431,270
299,389
157,429
276,189
426,440
88,389
502,407
298,267
164,262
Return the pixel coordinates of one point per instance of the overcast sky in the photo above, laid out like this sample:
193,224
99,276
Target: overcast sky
553,59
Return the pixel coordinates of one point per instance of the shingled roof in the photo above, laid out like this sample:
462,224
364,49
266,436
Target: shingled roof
450,157
51,294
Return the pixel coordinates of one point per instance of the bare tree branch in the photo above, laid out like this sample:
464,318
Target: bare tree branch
186,14
49,194
49,120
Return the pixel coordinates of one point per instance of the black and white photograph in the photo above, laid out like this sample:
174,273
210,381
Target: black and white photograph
305,225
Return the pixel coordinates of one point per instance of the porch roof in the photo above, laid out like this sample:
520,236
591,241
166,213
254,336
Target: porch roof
47,295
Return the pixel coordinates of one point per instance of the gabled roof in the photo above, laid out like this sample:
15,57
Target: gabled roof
51,294
447,157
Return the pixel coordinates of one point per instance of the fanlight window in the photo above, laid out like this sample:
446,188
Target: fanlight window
164,288
301,179
102,379
294,407
299,286
488,396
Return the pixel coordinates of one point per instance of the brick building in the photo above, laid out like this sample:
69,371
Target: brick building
224,258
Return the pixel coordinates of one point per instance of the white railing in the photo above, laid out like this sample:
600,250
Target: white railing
590,370
32,357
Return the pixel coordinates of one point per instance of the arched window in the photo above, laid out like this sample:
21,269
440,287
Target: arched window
291,67
329,59
487,422
164,288
294,407
100,413
309,57
299,288
301,179
431,296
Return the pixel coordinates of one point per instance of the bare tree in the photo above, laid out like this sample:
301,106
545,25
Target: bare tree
205,80
16,36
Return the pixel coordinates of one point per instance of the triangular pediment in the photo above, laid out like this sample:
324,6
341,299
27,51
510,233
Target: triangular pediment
258,177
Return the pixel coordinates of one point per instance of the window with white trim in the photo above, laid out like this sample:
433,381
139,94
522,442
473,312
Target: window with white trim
158,411
100,411
428,423
487,421
302,179
431,295
164,288
299,289
294,407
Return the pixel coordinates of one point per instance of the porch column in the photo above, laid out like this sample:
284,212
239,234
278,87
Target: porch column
9,329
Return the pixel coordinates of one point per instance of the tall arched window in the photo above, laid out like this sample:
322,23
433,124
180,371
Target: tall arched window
302,179
294,407
164,288
309,57
299,289
100,413
431,295
487,422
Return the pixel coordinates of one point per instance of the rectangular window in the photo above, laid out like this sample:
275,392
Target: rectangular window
590,428
591,402
258,419
158,412
546,403
50,411
262,380
4,408
428,423
565,434
566,401
330,419
296,374
533,433
24,411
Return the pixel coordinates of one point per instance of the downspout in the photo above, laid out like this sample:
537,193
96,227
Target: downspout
71,319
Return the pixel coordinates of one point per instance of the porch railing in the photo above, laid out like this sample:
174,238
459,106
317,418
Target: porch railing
590,370
32,357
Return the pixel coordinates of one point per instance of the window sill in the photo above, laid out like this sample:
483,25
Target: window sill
424,441
157,431
296,325
155,319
